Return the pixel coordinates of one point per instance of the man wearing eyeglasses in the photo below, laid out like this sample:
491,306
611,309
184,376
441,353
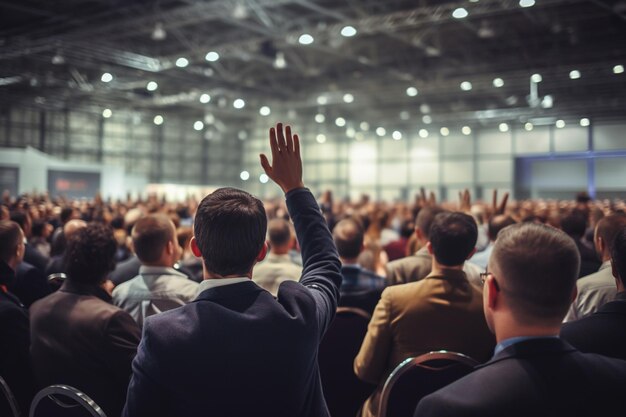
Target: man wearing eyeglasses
527,291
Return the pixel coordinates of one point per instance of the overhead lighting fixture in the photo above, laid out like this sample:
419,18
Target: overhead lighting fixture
526,3
212,56
466,130
536,78
58,59
159,33
265,111
547,102
106,113
423,133
425,108
411,91
305,39
321,100
340,121
198,125
584,122
466,86
239,103
209,118
242,135
528,126
427,119
348,98
574,74
396,135
364,126
444,131
405,115
152,86
320,118
320,138
560,124
460,13
106,77
503,127
618,69
380,131
182,62
244,175
263,178
350,132
498,82
280,62
348,31
205,98
158,120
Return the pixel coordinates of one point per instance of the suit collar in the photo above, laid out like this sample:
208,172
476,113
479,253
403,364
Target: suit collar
228,291
449,274
617,306
528,348
85,289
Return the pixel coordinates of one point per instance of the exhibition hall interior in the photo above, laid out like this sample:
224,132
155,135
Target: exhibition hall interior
340,208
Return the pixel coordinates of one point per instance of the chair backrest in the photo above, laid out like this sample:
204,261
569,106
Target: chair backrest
8,401
63,400
343,391
417,377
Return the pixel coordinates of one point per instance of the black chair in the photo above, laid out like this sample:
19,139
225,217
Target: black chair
48,403
343,391
417,377
8,403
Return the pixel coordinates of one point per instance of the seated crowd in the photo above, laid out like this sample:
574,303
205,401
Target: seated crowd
155,308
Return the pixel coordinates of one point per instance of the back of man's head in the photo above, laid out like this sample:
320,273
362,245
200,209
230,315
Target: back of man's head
151,235
348,236
230,228
535,267
278,233
574,224
453,238
10,237
72,227
425,218
90,254
606,230
66,214
21,218
498,223
618,256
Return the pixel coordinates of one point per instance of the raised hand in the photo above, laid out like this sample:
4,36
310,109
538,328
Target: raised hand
498,208
465,201
286,168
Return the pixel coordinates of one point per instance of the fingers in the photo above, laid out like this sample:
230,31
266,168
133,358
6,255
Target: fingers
274,143
505,199
494,202
296,145
265,164
289,139
280,135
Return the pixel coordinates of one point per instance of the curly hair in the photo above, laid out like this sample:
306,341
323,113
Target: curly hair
90,254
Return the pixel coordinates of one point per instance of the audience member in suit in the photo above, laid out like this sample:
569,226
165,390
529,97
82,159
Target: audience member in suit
236,350
78,337
56,265
360,287
40,233
277,266
530,284
496,224
397,249
158,287
129,269
597,289
603,332
31,254
418,266
441,311
575,224
15,366
30,284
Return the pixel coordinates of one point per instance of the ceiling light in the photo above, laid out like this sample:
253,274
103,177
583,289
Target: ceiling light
425,108
460,13
498,82
198,125
380,131
574,74
466,86
547,102
503,127
396,135
427,119
584,122
321,138
305,39
340,121
182,62
242,135
536,78
58,59
265,111
528,126
321,100
466,130
245,175
320,118
212,56
348,31
350,132
364,126
209,118
618,69
423,133
239,103
411,91
348,98
444,131
158,120
280,62
152,85
158,34
106,77
560,124
264,178
106,113
205,98
405,115
526,3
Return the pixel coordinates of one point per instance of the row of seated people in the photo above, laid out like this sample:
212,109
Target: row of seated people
227,336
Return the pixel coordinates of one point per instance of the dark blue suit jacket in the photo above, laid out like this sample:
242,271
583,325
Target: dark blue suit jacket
238,351
538,377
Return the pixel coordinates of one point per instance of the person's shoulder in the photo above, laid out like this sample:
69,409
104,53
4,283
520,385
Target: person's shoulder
599,279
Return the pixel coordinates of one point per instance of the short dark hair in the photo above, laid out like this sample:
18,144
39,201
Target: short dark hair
10,236
608,227
574,224
90,254
348,237
278,232
230,228
539,266
20,217
38,227
425,218
453,237
618,255
66,214
150,235
498,223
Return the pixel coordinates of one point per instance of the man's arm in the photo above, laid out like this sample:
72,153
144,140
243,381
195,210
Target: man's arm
321,269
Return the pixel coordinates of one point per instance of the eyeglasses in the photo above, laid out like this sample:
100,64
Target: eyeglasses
483,278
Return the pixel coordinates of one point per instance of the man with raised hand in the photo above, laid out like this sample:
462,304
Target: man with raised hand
236,350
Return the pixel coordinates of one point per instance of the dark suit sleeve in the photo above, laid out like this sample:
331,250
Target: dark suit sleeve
434,405
31,284
321,268
122,335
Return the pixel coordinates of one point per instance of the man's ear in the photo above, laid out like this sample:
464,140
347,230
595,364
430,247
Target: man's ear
471,254
601,245
418,234
262,253
492,292
194,248
429,246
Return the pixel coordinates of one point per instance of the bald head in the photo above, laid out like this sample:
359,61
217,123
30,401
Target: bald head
348,236
279,234
73,226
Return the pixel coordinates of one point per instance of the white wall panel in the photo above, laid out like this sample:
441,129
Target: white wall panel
610,173
571,139
458,145
490,142
455,172
424,173
490,171
535,141
609,137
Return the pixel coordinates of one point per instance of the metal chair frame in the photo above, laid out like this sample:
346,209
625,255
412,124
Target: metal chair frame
8,394
76,395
